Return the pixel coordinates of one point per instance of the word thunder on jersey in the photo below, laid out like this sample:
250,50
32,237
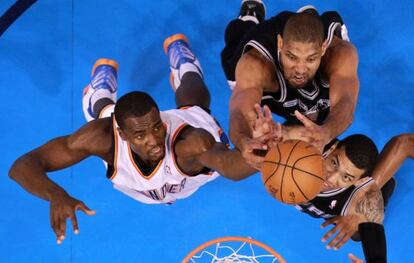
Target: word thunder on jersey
166,182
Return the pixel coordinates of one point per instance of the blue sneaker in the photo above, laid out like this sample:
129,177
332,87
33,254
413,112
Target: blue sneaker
182,59
103,85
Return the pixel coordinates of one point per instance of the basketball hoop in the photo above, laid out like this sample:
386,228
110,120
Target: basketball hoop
233,249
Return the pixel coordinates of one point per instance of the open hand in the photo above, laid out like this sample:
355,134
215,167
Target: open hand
345,227
63,206
265,128
313,133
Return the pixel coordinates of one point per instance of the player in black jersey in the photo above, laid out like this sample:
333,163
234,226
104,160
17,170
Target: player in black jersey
297,64
357,187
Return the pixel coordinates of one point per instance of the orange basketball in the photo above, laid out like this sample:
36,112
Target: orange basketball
293,172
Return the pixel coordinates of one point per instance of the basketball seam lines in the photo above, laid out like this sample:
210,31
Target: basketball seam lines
314,175
283,174
293,175
277,167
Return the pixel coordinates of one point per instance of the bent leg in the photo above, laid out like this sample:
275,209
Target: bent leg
186,77
99,95
252,12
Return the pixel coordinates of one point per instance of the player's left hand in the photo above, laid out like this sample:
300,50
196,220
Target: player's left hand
313,133
345,227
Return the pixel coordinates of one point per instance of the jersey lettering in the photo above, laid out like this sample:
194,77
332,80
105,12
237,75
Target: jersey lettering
159,194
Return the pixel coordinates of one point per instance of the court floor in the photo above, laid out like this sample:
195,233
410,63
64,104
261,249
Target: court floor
45,61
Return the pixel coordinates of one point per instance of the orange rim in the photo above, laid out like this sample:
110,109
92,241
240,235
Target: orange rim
227,239
173,38
105,61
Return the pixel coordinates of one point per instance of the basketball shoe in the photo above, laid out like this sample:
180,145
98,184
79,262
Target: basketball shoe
103,84
182,59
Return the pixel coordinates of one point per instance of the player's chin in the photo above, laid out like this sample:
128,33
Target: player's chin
157,153
298,83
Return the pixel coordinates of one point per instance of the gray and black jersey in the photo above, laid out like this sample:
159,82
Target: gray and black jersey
312,100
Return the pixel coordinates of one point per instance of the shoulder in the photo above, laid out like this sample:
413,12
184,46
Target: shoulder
368,202
193,141
95,137
341,55
254,59
254,70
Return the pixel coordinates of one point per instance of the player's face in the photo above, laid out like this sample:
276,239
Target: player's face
146,135
299,61
340,171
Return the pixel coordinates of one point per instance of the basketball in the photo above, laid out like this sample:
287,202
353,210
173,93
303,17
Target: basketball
293,172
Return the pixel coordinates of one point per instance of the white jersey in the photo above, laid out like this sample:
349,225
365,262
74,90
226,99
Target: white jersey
167,182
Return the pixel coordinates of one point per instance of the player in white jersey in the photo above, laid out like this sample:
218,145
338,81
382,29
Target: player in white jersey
152,156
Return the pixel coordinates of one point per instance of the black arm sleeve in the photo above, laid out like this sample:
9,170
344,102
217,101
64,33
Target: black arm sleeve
373,242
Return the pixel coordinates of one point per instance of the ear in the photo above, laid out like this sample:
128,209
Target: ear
324,46
279,42
121,134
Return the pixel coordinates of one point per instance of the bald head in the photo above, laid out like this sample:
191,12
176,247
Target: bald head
305,28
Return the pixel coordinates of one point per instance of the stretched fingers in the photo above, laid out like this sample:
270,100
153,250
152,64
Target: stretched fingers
304,120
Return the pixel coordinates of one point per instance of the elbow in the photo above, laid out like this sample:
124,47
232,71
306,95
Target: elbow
13,172
21,164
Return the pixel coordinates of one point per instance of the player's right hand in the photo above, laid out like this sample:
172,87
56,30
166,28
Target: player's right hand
253,151
63,206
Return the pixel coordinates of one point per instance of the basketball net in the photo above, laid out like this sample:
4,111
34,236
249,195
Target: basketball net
232,250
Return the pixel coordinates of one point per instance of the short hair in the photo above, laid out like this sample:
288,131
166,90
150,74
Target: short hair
361,151
305,28
135,104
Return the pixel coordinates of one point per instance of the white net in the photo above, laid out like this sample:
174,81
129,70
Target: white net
233,251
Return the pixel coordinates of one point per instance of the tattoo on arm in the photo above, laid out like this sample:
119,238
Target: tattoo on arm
371,206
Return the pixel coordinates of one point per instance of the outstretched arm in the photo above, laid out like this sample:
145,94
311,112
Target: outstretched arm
197,149
30,171
253,73
392,157
340,65
341,69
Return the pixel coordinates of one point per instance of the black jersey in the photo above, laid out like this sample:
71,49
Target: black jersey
312,100
332,203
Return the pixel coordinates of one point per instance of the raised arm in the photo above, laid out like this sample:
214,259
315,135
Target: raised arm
30,170
198,149
392,157
253,73
341,70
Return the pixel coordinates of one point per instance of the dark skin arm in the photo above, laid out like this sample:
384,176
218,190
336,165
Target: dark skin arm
30,170
339,64
198,149
392,157
253,75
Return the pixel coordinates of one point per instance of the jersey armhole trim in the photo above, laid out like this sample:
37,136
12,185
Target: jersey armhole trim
115,131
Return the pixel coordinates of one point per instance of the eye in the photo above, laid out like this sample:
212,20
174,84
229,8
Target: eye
333,162
311,60
158,127
140,136
291,57
347,178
